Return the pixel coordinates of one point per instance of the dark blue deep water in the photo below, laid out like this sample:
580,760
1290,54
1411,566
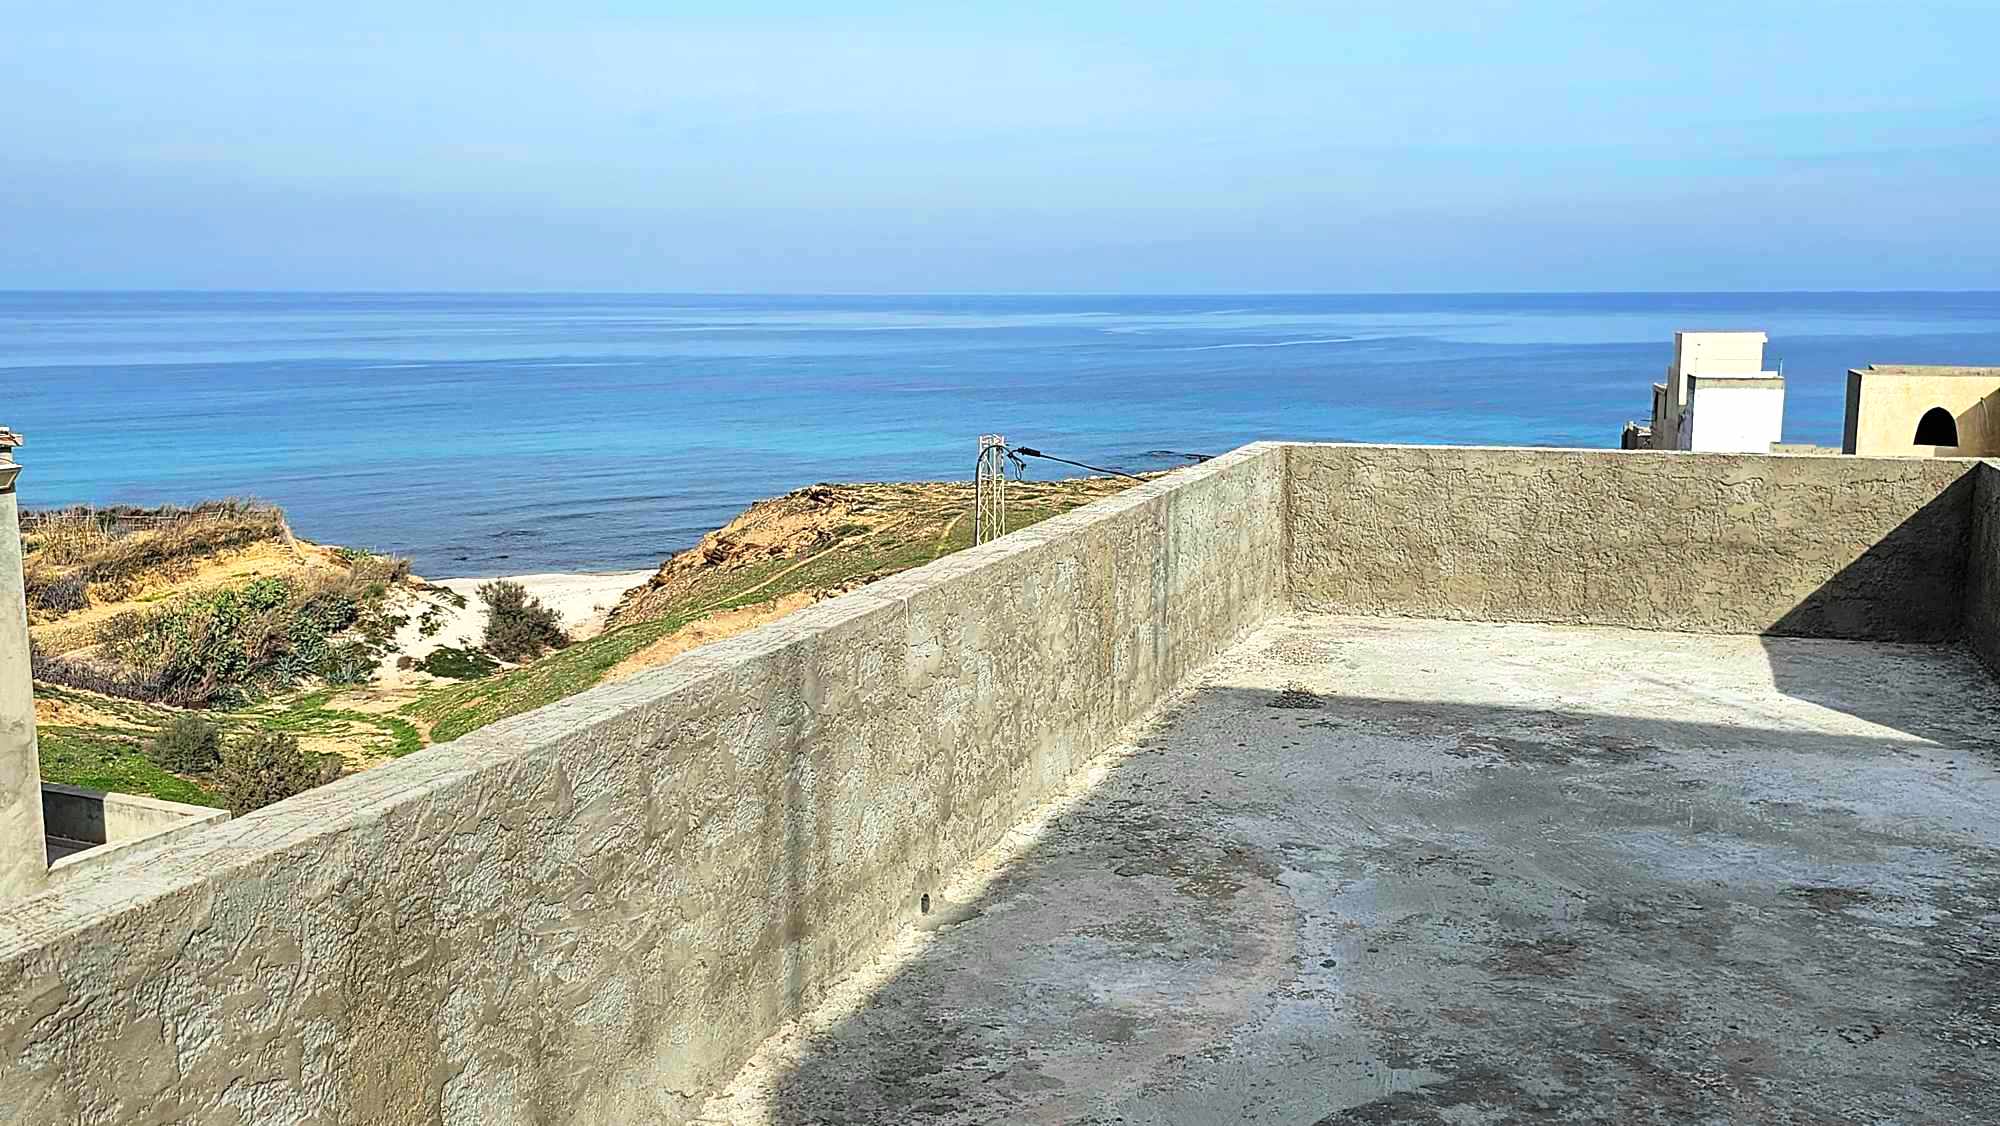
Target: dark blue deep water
483,433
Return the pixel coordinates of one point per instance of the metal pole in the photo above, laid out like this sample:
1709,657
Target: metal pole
989,490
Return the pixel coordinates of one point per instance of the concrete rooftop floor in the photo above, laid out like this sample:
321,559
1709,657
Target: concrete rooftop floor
1368,870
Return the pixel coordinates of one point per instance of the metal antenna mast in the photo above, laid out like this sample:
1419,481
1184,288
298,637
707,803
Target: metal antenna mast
989,490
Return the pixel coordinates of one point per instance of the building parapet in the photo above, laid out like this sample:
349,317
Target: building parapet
590,912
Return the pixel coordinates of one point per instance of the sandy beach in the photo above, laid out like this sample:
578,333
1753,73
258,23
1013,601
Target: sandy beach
582,600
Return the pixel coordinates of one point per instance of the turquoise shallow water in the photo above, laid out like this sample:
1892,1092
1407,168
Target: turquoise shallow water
484,433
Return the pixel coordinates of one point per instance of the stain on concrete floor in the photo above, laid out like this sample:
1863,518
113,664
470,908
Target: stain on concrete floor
1369,871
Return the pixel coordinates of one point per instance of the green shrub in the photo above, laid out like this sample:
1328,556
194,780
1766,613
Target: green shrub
351,663
56,594
268,766
188,745
71,672
223,646
518,627
457,664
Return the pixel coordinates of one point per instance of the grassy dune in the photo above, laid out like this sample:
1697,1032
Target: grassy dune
778,555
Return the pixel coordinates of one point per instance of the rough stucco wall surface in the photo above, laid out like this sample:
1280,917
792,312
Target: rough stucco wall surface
1982,568
592,912
1817,546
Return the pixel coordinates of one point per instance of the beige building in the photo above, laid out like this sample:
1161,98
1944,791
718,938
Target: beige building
1915,410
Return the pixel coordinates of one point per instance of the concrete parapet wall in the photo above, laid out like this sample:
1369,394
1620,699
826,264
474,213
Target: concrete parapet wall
591,912
1866,548
1982,568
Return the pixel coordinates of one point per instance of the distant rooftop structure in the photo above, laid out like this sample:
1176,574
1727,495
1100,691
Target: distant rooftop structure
1717,398
1922,410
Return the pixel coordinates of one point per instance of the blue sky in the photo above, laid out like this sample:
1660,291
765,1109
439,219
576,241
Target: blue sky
1024,147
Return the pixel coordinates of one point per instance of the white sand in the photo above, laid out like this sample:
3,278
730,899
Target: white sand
581,600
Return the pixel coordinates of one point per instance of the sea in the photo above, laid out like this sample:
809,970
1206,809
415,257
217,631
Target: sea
485,434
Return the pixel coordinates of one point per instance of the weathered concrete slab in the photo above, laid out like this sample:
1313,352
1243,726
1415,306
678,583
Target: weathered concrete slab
88,829
1367,870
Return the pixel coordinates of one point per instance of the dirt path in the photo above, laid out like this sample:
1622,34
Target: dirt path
808,559
944,537
729,623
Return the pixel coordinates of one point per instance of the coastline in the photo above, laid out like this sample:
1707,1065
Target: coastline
582,598
670,432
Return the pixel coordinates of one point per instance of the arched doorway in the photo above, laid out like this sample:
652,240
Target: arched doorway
1937,428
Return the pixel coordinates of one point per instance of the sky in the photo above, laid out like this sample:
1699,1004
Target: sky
1075,146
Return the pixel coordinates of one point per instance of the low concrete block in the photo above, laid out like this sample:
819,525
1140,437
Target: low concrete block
92,828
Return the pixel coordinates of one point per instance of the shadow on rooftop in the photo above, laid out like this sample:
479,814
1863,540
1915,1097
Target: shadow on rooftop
1185,944
1181,946
1875,599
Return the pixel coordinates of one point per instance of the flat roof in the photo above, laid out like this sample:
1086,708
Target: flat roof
1745,376
1374,870
1928,370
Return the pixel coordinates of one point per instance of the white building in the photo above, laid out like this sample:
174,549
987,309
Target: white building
1717,397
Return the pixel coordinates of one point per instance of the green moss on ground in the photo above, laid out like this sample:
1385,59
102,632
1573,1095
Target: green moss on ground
113,761
453,663
113,755
855,558
385,735
461,708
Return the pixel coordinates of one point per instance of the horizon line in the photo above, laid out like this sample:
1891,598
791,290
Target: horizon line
218,290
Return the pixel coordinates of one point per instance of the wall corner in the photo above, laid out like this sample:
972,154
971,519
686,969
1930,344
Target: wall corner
1980,623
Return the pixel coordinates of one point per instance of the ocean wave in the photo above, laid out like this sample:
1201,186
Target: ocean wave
1269,344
